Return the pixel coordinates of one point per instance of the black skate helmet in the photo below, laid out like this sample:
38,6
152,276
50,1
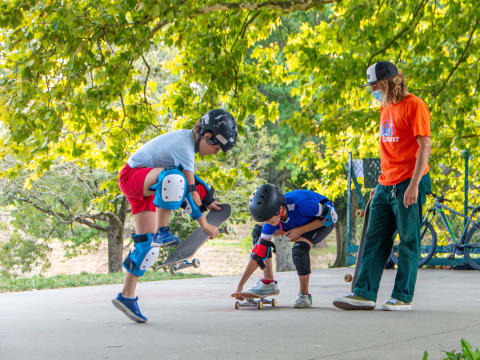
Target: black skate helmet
265,202
223,127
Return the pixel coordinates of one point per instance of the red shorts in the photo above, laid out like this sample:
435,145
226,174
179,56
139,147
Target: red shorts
131,183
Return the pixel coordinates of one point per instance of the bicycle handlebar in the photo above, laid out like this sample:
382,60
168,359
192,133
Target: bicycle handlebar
440,198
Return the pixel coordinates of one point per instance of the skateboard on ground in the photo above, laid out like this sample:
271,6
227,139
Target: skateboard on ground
253,300
361,247
178,259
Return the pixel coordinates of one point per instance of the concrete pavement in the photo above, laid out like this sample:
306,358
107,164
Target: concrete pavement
195,318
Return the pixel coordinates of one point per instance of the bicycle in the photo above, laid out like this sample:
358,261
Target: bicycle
468,245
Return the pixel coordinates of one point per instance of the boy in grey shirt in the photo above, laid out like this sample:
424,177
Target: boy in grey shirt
159,177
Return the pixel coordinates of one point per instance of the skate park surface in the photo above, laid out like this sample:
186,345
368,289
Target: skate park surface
196,319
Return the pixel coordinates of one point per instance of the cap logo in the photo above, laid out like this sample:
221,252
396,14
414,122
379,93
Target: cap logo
222,140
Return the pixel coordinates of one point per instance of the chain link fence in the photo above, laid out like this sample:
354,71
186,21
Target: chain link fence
362,177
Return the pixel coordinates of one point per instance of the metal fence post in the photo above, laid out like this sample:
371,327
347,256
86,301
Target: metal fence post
349,202
465,205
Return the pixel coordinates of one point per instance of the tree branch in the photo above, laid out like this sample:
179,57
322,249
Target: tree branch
404,30
287,6
68,219
146,79
284,5
462,59
244,28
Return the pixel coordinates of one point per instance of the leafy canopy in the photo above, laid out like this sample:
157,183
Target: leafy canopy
76,79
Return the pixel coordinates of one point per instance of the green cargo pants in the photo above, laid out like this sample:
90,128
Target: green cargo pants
387,215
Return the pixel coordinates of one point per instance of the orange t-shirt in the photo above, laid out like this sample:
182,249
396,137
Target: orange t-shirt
400,124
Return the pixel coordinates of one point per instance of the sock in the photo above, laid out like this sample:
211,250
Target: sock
266,282
129,298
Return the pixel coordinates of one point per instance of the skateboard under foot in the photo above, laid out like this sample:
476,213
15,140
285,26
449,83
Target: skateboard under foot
245,299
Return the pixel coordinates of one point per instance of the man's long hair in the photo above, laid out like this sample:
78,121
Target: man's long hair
394,89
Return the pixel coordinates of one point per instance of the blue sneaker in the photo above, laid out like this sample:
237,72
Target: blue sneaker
163,237
129,307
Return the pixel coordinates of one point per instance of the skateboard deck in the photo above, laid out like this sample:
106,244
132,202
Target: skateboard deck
361,246
253,300
178,259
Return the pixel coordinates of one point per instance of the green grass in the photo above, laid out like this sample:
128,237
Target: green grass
83,279
225,243
330,249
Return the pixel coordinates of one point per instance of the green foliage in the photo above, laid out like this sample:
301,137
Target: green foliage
467,353
182,224
57,205
21,254
84,279
73,88
246,244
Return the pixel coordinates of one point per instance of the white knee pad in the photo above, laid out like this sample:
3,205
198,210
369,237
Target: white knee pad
170,189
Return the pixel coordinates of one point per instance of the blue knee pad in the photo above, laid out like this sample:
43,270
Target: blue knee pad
170,188
301,257
142,257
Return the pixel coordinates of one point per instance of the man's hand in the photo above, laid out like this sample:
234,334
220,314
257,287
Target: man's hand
294,234
410,196
214,206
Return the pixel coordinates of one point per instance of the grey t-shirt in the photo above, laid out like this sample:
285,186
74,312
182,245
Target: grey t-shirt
173,148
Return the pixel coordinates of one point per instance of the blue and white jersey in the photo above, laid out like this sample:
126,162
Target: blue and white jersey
173,148
303,206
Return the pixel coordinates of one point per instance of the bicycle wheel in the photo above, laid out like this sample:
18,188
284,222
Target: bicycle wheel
471,251
428,244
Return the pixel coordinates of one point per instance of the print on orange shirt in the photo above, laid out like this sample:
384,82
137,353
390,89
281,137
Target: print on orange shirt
388,132
400,124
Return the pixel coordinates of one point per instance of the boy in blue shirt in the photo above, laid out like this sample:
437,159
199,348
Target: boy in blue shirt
305,217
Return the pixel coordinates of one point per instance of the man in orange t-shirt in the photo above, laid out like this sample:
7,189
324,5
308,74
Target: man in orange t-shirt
397,200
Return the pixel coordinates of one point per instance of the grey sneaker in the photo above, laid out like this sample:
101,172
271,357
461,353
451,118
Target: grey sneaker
260,288
303,301
353,302
395,305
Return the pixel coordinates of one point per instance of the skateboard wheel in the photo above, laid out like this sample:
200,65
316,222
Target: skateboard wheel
360,213
259,305
274,302
228,229
237,305
196,263
173,269
348,278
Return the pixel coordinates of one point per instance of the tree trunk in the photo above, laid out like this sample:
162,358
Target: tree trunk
115,248
115,233
283,260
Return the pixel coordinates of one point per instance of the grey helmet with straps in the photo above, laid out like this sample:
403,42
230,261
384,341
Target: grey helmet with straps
223,127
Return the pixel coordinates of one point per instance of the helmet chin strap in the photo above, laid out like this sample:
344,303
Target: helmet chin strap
197,143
